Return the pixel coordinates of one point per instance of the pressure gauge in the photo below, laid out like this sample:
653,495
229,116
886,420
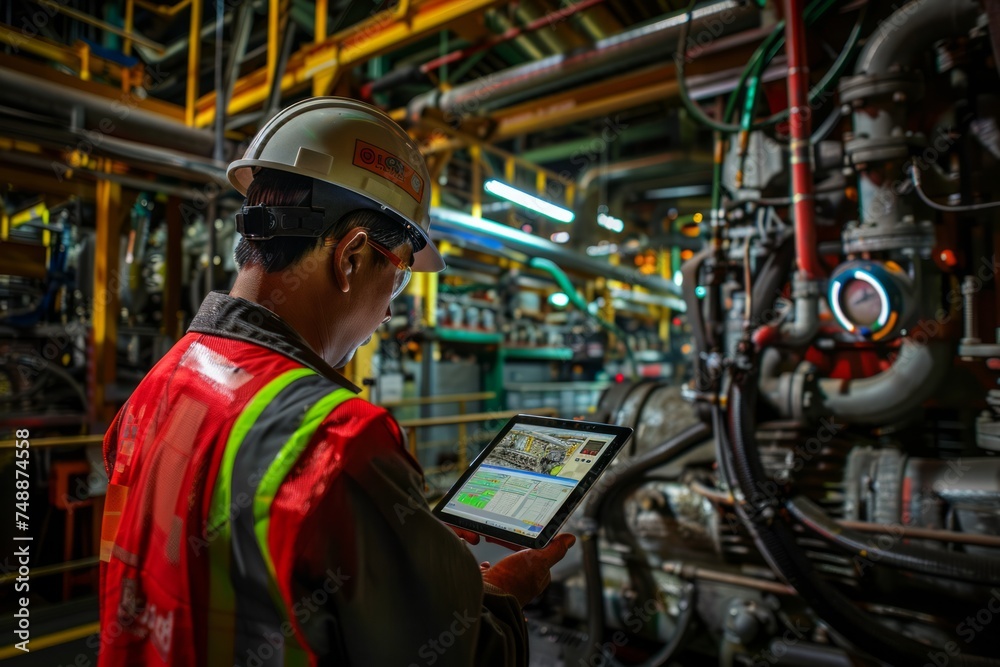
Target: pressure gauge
870,299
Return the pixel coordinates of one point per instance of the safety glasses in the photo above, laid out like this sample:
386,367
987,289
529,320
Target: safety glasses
403,272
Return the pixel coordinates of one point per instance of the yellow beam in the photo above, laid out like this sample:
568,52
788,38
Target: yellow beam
373,37
54,639
590,101
273,44
106,284
107,27
164,10
194,54
129,18
97,66
58,441
477,181
324,82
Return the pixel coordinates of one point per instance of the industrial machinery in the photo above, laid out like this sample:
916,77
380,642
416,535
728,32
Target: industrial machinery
825,489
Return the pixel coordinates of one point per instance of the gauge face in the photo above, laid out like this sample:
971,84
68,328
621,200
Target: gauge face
861,303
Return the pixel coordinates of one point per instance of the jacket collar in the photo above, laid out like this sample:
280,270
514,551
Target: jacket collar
233,317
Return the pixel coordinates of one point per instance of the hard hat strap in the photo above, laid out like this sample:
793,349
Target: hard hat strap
259,223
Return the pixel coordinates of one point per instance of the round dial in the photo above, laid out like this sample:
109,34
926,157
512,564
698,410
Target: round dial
861,303
871,299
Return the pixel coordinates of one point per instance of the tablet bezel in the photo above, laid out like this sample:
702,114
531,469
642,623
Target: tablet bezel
621,436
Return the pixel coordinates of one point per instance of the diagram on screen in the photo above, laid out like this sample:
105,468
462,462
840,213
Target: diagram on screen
554,452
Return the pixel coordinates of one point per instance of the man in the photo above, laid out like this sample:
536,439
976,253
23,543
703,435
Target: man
257,512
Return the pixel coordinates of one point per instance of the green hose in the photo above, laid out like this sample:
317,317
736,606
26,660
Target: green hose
758,62
563,281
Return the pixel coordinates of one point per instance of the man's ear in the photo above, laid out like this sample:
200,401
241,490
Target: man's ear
347,258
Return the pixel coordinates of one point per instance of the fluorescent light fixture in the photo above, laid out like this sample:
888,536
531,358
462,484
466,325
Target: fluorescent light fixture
559,299
600,250
504,191
610,222
560,237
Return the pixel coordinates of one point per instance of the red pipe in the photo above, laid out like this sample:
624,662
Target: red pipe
803,201
549,19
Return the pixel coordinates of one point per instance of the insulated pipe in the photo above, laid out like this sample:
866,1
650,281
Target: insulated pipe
806,244
446,219
128,121
630,49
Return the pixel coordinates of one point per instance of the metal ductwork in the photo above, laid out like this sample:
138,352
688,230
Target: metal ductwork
628,50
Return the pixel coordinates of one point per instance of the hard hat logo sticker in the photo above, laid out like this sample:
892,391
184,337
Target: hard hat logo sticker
388,166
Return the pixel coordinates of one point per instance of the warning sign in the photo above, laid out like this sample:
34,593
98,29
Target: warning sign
387,165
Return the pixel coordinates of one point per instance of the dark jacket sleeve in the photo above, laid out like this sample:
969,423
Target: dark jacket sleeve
407,590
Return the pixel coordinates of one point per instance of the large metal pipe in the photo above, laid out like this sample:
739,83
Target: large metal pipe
916,374
910,29
630,49
126,120
883,74
445,219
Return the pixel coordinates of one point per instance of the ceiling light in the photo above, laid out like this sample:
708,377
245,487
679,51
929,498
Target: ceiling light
504,191
610,222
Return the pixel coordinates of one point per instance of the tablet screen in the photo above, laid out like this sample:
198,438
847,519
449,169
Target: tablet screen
526,477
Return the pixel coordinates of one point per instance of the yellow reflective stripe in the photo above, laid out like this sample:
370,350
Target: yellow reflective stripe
268,487
221,619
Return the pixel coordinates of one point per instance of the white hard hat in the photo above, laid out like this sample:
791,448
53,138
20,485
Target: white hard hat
351,145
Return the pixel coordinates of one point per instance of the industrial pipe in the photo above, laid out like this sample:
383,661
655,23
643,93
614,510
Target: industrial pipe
778,543
628,50
445,219
913,378
128,121
909,30
806,244
563,281
915,375
548,20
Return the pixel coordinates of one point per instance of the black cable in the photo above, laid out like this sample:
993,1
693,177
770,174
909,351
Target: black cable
777,540
680,444
957,565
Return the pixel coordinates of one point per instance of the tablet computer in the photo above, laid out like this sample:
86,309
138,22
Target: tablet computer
530,478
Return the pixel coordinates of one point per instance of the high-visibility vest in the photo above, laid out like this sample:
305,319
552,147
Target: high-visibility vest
246,621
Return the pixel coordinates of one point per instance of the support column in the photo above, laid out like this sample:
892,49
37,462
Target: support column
106,312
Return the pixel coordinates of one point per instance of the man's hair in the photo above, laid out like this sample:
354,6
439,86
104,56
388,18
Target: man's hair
271,187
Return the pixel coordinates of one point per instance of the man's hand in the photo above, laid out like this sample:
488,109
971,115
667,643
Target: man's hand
526,574
467,535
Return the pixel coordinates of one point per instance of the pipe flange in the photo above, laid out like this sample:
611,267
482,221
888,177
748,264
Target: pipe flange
900,86
863,150
802,391
988,432
878,237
